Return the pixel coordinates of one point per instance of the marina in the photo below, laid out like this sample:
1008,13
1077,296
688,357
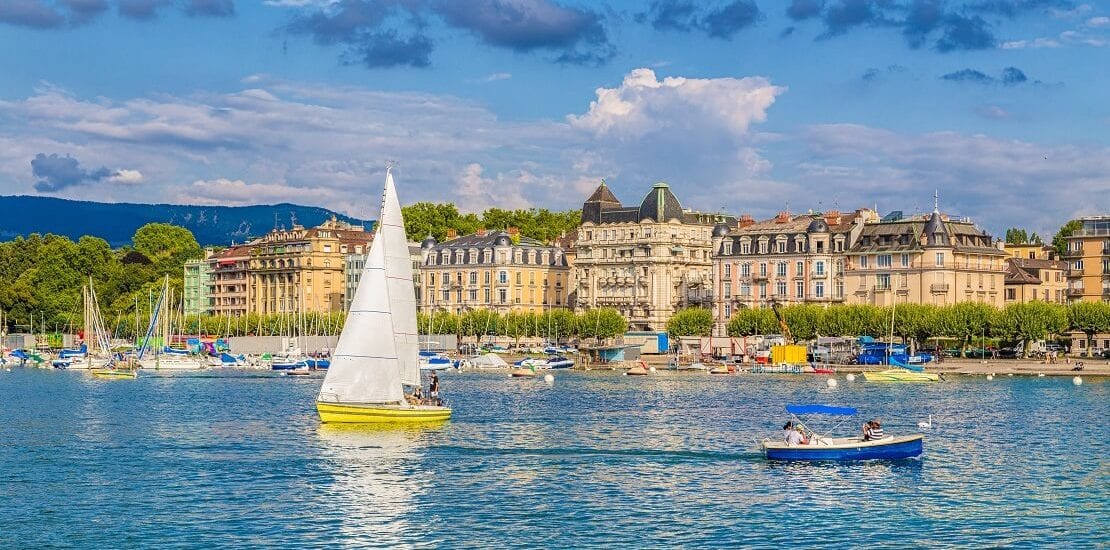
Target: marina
598,459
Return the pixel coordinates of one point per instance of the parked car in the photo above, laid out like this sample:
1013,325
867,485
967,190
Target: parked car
1009,353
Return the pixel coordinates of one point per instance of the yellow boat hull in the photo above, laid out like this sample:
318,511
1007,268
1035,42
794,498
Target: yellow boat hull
900,375
348,413
113,374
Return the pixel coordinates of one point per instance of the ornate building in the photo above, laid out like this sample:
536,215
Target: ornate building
1029,279
229,273
303,269
788,259
924,259
646,261
498,270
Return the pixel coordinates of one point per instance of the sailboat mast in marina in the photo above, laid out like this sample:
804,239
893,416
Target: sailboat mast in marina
378,349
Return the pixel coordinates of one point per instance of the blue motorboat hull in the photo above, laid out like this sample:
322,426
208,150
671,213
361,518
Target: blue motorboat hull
318,364
897,449
289,366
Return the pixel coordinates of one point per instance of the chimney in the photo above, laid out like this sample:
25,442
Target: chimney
832,217
514,232
783,217
481,232
451,234
744,221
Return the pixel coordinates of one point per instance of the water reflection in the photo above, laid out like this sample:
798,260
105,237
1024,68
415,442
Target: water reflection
376,476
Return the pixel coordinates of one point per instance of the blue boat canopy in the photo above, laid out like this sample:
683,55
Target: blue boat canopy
820,409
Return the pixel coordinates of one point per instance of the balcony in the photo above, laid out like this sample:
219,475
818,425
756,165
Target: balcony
758,277
819,275
938,288
1074,292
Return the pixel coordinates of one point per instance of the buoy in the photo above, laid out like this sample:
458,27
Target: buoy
990,377
549,378
928,424
1040,375
652,369
851,377
1009,374
831,382
1077,381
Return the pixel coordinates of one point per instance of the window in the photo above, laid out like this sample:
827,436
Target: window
446,295
799,269
745,289
327,248
486,277
839,289
503,277
473,277
940,259
728,270
820,247
905,260
819,289
882,281
863,262
882,260
1077,265
502,296
745,269
745,248
780,269
780,288
473,294
763,247
728,311
728,289
800,289
518,277
1010,294
781,247
762,269
819,267
445,278
487,295
728,248
763,290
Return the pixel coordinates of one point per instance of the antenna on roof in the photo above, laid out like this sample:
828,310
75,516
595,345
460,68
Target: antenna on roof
936,200
390,165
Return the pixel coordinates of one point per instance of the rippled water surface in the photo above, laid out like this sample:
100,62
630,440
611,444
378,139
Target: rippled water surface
221,459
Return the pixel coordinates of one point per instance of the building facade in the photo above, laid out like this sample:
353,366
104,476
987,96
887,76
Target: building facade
194,293
787,259
499,271
924,259
1031,251
1030,280
352,270
646,261
303,269
1088,257
228,277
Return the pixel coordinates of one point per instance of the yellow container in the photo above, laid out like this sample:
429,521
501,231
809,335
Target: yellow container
790,355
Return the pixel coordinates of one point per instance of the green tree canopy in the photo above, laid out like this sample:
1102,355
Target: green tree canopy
693,321
1090,318
1059,242
601,324
427,218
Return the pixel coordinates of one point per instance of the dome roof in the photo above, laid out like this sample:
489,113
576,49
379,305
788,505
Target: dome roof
660,204
429,242
936,234
503,240
720,230
818,225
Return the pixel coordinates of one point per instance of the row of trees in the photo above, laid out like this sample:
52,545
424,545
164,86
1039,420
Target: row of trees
41,275
428,218
914,323
599,324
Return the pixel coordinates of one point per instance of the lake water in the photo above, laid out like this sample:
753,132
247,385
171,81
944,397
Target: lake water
225,459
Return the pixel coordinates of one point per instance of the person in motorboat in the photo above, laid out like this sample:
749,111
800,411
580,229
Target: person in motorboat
795,436
786,429
872,431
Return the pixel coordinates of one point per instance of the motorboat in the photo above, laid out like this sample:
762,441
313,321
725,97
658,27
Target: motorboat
900,375
823,446
430,360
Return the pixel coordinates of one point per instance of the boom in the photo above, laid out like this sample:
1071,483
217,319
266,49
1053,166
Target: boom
776,307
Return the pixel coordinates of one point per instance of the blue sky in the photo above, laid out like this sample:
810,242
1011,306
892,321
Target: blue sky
746,106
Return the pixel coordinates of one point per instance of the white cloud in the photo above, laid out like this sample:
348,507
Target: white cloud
643,104
223,191
497,76
126,177
1099,22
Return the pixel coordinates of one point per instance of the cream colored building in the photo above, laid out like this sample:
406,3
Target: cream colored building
647,261
787,259
228,278
1088,256
303,269
1031,251
1030,280
499,271
925,259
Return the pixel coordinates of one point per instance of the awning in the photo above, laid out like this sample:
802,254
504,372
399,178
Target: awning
820,409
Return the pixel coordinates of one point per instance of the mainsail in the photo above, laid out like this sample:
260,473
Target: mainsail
402,293
364,366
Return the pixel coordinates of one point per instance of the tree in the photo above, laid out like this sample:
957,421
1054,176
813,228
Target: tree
694,321
1031,321
1059,242
1090,318
1015,235
967,320
804,320
750,322
601,324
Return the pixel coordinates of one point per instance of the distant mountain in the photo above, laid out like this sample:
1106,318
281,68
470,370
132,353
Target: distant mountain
117,222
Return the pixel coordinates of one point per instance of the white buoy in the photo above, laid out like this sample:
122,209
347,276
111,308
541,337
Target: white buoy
1040,375
851,377
652,369
1077,381
549,378
928,424
831,382
990,377
1009,374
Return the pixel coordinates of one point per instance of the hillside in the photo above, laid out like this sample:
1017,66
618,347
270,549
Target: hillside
116,222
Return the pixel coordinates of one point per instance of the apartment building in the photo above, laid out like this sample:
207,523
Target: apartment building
1088,257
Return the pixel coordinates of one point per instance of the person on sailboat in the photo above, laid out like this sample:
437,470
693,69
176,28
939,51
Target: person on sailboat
433,388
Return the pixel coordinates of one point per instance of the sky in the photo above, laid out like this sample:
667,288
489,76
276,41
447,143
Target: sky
742,106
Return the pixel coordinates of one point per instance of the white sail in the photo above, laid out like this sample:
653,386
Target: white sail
402,293
364,366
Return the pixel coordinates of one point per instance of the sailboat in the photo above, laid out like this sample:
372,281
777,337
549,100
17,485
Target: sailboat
162,359
904,372
377,352
97,335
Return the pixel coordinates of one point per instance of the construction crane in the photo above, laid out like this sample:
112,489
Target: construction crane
777,308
